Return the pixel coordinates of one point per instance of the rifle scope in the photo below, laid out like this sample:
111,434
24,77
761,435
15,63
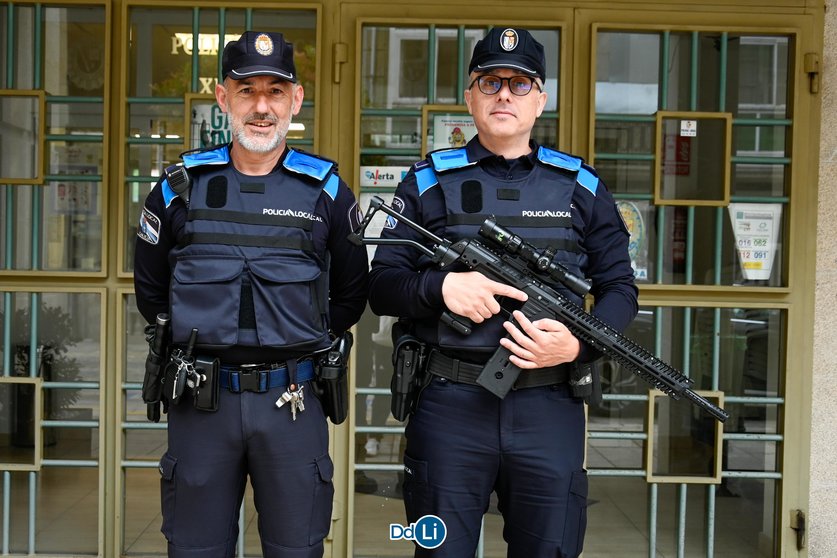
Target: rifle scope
540,261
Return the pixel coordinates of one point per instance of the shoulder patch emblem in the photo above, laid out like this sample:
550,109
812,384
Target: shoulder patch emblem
149,227
355,216
397,205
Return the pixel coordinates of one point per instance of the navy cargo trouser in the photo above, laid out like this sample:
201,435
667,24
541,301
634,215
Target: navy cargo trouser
205,470
463,443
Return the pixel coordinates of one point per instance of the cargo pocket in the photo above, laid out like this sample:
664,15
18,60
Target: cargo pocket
415,489
168,490
323,498
575,523
197,281
288,310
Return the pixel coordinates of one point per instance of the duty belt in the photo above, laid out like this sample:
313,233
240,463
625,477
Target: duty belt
260,378
457,370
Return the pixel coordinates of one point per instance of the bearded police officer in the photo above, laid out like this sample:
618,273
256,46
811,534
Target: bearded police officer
245,246
463,442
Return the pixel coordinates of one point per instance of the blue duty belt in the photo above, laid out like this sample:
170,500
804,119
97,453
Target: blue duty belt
261,378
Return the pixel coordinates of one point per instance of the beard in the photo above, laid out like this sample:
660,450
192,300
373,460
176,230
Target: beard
255,141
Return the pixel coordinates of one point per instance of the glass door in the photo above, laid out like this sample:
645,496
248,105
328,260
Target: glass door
409,85
692,125
690,120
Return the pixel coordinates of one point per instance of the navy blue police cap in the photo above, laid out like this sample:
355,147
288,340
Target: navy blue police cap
509,48
258,53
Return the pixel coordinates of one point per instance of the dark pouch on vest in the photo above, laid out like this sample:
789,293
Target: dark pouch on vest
207,391
331,384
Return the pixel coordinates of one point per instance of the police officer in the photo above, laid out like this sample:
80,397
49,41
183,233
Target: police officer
248,246
463,442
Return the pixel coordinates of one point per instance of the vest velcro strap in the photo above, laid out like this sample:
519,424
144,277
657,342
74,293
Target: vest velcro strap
304,163
558,159
447,159
250,218
245,240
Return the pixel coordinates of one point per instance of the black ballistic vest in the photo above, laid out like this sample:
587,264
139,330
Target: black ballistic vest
246,272
536,207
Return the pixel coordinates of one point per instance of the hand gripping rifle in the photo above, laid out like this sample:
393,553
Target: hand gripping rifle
513,261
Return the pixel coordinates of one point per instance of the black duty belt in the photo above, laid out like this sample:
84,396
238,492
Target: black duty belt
457,370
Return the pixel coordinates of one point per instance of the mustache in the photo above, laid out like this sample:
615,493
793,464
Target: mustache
260,116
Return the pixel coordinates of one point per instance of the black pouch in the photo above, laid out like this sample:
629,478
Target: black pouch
331,384
585,383
207,391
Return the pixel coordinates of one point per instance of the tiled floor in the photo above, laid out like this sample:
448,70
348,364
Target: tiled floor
66,504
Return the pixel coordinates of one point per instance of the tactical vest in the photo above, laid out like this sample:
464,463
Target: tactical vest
537,207
246,272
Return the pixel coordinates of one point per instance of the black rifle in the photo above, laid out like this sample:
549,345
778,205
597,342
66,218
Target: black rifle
517,263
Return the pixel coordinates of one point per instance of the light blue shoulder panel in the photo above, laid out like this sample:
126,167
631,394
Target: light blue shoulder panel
168,193
303,163
558,159
425,179
217,156
332,185
588,180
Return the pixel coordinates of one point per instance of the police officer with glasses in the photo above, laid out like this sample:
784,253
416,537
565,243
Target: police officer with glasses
244,246
463,442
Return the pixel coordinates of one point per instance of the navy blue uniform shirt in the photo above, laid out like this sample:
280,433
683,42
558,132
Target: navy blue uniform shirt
348,273
405,283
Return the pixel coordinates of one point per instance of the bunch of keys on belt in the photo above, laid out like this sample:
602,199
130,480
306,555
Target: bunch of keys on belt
185,373
296,399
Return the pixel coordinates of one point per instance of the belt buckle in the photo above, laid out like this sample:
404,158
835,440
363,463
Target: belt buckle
250,378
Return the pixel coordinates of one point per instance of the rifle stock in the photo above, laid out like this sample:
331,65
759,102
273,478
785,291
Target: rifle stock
506,264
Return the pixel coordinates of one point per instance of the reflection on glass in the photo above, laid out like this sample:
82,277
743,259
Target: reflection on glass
391,132
81,119
74,55
684,445
150,160
159,63
156,121
624,137
615,454
73,223
693,159
72,443
760,141
678,73
21,400
395,65
142,518
66,335
66,511
20,141
758,76
627,73
736,350
629,177
545,132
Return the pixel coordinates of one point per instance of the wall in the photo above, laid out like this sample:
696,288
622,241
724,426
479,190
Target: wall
822,539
